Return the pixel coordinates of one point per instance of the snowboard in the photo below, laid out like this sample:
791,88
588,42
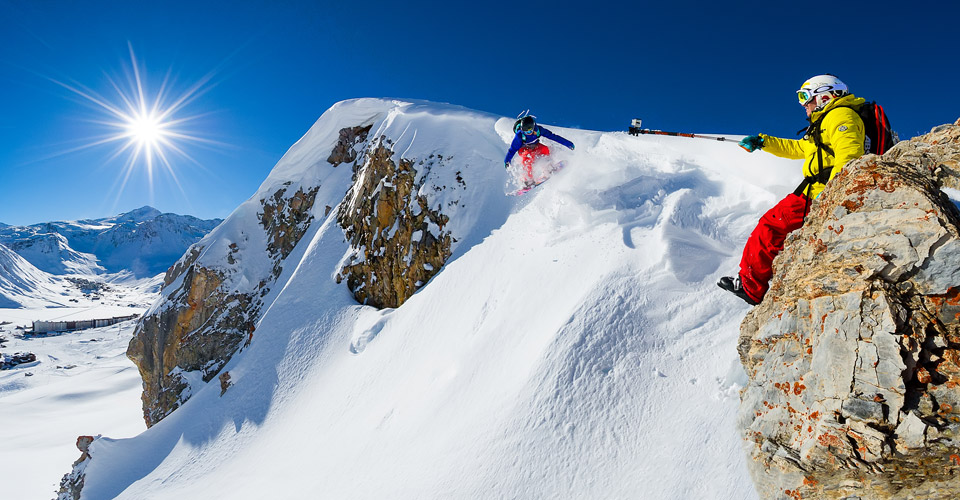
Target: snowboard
548,172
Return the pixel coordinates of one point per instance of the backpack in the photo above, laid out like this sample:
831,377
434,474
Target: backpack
879,138
877,127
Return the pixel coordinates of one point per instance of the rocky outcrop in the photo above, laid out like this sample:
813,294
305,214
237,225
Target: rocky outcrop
197,333
853,357
72,483
286,218
397,240
350,145
204,319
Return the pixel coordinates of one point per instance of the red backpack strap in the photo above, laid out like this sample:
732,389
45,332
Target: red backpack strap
883,124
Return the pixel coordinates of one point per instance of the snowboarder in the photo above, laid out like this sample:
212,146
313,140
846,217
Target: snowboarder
832,139
527,143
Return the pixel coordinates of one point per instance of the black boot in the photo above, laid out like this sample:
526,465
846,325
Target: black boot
732,285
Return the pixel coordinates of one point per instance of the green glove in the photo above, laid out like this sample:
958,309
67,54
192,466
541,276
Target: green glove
751,143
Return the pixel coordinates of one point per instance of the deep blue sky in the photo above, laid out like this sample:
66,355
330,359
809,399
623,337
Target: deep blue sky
709,67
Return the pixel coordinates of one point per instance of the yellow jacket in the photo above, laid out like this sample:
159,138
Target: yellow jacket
840,131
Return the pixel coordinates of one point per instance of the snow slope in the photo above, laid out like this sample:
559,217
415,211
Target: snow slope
575,345
50,252
22,284
81,383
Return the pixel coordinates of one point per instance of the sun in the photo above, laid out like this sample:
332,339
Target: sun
146,130
148,127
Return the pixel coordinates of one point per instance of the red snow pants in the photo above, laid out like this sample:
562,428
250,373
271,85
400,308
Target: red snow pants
766,241
529,154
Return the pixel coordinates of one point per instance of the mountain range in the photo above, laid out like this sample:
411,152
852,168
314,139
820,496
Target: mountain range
140,243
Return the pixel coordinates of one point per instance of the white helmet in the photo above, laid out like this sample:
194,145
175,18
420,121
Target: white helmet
821,89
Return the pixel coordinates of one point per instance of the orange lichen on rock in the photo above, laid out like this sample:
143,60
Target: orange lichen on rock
827,440
795,494
951,298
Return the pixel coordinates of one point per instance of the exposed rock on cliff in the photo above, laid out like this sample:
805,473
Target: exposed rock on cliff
854,355
350,145
398,241
197,334
72,483
286,218
205,318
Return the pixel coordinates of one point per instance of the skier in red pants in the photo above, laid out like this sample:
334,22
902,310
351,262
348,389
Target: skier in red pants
527,143
528,154
832,139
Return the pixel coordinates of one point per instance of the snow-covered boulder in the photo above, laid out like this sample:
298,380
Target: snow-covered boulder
854,354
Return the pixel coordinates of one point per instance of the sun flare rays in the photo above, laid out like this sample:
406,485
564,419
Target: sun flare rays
148,129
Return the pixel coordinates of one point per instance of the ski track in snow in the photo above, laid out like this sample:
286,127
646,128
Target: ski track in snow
574,346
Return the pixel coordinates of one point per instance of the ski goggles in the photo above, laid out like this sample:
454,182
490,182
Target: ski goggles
807,95
528,132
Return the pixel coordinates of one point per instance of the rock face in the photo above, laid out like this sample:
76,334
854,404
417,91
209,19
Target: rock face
198,333
204,319
398,242
349,145
854,355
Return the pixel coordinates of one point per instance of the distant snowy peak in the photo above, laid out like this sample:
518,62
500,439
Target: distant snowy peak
144,242
141,214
